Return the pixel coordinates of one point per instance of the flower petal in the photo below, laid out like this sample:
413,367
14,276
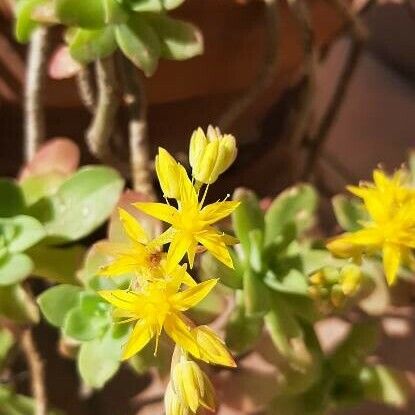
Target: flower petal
123,299
181,333
215,244
160,211
212,348
139,338
178,247
391,261
216,211
191,296
132,227
120,266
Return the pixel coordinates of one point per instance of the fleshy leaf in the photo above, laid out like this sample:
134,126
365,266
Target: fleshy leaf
12,200
139,43
179,40
295,205
28,232
349,212
88,45
14,268
25,25
80,13
82,203
56,302
152,5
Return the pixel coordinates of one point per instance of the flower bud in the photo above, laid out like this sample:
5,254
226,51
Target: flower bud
350,279
211,154
192,387
173,404
168,172
342,248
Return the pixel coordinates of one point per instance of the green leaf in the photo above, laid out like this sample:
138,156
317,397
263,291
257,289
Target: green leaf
17,305
36,187
99,359
14,268
56,302
386,385
295,205
89,320
13,404
24,25
88,45
139,43
179,40
211,267
80,13
27,232
152,5
256,294
349,212
114,12
360,342
256,241
247,217
57,264
12,200
81,205
242,331
294,282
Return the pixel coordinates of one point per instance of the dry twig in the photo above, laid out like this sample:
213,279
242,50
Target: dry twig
266,74
359,33
36,371
99,134
35,76
86,88
135,99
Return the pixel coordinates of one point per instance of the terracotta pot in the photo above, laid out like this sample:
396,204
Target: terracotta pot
187,94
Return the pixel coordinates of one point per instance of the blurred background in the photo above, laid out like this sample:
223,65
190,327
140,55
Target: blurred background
374,122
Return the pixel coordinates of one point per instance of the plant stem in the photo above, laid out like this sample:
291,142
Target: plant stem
36,371
301,117
359,33
102,127
86,89
136,102
35,76
267,71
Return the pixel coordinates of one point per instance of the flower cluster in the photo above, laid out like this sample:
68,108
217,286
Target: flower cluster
390,229
163,289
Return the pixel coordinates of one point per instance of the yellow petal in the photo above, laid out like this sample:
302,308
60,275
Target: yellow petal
211,347
139,338
132,227
188,195
216,211
180,332
113,248
391,261
215,244
366,237
120,266
178,247
161,211
198,143
193,295
167,170
125,300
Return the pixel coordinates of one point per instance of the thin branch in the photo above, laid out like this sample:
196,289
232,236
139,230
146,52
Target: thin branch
36,371
136,102
102,127
267,72
86,88
359,34
35,77
301,118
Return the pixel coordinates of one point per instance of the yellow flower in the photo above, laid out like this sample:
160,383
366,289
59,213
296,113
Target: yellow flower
160,305
211,154
191,386
390,203
142,257
191,224
350,279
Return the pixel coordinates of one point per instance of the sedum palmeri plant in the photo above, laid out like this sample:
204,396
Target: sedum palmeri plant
141,30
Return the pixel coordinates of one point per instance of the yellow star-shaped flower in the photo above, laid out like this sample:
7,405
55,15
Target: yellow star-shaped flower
390,203
191,223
